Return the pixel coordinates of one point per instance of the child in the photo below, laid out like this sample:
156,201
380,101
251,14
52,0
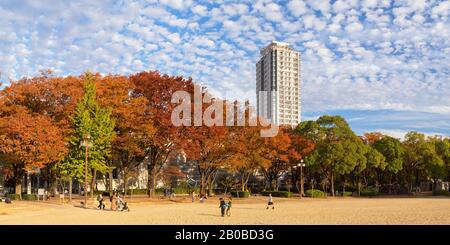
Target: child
229,207
270,202
222,206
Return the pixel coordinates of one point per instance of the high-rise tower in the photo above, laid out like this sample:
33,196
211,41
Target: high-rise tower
278,87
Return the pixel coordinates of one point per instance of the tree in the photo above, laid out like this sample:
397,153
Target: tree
338,149
158,89
208,147
434,158
249,149
90,118
414,162
47,95
133,124
34,142
393,152
443,150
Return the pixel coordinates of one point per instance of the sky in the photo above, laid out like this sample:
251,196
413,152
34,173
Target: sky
383,65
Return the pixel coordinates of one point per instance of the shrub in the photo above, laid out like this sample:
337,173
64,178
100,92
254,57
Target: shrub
314,193
347,194
184,190
13,196
369,192
441,193
240,194
277,193
29,197
137,191
104,193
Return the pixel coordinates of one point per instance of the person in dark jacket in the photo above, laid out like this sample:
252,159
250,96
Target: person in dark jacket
222,206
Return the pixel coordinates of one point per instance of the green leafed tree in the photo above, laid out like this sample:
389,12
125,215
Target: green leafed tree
338,150
393,152
91,119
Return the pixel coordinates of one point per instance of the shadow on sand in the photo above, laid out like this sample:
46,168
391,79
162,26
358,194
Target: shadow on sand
91,208
212,215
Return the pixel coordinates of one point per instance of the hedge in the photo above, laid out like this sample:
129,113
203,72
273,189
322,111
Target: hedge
347,193
29,197
13,196
277,193
369,192
314,193
441,193
240,194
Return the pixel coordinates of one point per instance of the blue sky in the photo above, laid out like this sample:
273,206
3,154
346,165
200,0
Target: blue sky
384,65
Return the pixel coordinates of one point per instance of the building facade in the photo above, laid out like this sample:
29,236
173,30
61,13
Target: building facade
278,84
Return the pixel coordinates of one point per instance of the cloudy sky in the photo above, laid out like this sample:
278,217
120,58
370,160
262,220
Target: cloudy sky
384,65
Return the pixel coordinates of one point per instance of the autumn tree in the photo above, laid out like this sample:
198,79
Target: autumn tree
158,90
48,95
133,125
29,140
248,154
208,147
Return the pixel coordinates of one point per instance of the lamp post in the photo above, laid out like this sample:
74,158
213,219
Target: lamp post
86,143
301,165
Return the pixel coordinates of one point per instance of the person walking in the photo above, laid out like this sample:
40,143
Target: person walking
100,200
222,206
228,212
193,196
270,202
114,201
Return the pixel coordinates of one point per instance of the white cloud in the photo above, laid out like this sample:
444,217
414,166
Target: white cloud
199,9
297,7
177,4
367,54
354,27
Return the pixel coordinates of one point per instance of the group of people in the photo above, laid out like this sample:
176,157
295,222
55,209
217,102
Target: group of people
225,207
117,203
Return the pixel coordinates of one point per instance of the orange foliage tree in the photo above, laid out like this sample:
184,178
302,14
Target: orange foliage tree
133,124
29,140
158,90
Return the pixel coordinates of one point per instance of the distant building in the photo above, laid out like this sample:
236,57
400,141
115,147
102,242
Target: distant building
278,87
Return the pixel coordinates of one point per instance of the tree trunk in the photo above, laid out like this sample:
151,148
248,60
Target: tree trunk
151,183
18,189
125,186
359,187
110,175
332,184
246,182
150,190
94,177
202,183
343,188
70,190
210,187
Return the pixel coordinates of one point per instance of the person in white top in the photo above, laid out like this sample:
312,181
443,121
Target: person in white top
270,202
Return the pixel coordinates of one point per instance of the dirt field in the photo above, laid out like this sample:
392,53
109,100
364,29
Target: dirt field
424,210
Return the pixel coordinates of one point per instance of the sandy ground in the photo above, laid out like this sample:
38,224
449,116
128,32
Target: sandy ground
424,210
